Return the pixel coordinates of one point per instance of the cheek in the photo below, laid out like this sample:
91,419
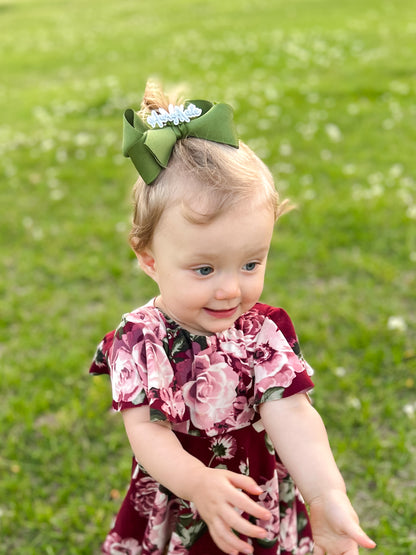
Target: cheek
255,289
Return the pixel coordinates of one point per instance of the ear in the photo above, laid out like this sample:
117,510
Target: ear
147,263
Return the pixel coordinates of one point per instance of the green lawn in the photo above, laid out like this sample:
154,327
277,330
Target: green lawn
325,92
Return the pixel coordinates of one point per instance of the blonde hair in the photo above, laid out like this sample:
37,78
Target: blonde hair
206,178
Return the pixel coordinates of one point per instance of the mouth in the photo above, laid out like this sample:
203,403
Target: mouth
221,313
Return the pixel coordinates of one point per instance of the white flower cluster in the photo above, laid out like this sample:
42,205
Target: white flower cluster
174,114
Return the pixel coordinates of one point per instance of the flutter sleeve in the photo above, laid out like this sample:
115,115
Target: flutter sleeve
139,367
99,365
279,367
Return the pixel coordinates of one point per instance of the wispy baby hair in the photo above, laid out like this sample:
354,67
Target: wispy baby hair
205,177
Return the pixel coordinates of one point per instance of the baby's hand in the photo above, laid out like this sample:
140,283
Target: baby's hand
335,526
219,502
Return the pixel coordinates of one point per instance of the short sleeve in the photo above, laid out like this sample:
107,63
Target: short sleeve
139,366
99,364
279,368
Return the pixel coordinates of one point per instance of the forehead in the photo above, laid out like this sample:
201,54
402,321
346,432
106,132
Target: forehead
243,228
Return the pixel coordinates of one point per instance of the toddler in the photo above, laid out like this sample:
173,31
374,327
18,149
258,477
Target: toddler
211,384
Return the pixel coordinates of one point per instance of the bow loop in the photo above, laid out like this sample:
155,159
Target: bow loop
150,149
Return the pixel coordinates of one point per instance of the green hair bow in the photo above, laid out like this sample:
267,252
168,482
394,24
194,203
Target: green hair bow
150,147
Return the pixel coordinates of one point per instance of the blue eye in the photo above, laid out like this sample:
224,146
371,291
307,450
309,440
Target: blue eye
250,266
204,270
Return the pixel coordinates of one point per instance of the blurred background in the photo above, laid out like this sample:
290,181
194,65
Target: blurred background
324,92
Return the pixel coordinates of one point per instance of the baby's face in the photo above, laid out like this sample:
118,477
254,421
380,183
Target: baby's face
210,274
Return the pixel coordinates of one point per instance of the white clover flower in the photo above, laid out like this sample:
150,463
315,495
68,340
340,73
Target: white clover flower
333,132
396,323
354,403
57,194
309,194
353,109
411,212
349,169
409,410
340,372
399,87
396,170
306,180
285,149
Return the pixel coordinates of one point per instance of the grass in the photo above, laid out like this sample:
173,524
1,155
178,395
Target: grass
324,92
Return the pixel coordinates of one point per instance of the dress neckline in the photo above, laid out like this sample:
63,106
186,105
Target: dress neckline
192,335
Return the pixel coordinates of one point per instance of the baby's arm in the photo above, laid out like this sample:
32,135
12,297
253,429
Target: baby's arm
299,436
215,492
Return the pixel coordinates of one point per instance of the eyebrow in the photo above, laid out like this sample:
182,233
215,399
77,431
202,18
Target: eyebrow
205,257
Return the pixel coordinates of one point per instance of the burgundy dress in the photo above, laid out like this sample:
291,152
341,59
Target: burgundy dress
209,389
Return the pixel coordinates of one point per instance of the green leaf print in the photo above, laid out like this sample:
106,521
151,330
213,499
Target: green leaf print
138,400
269,444
156,415
189,532
272,394
267,543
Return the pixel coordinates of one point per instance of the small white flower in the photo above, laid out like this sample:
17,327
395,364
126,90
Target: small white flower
396,170
333,132
409,410
354,403
349,169
340,372
396,323
285,149
306,179
353,109
411,212
326,154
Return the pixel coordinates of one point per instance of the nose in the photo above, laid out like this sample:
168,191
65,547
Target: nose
228,288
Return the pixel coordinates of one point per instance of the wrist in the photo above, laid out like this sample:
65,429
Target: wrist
331,494
190,480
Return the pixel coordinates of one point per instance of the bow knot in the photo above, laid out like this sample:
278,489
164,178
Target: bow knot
181,131
150,148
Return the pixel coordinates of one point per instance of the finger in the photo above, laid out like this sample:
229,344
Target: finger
244,504
227,540
357,534
245,483
240,524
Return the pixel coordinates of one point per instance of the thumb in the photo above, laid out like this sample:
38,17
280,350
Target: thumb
357,534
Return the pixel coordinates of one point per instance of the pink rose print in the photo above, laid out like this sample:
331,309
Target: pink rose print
250,328
115,545
305,546
243,413
270,499
276,363
125,381
288,530
144,496
160,524
156,359
173,404
210,394
176,546
233,342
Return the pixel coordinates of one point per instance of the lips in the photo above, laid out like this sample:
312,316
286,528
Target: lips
221,313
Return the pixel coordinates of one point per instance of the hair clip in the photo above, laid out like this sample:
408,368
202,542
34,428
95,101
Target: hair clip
176,115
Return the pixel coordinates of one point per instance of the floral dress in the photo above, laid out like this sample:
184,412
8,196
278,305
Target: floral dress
208,388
